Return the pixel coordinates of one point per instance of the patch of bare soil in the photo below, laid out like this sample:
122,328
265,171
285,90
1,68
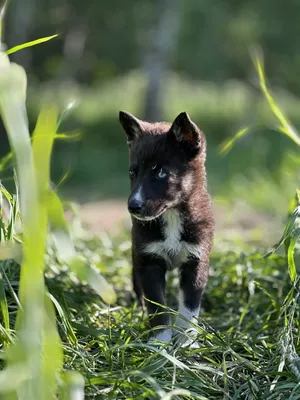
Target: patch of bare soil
104,216
238,223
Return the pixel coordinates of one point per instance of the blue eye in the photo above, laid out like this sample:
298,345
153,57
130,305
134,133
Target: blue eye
159,172
162,174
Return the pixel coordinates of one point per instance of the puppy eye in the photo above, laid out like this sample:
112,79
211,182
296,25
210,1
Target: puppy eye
131,174
162,173
159,172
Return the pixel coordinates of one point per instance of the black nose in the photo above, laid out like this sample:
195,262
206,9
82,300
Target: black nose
134,205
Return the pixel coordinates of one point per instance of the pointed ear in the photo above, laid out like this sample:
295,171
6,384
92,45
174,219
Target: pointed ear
186,131
131,125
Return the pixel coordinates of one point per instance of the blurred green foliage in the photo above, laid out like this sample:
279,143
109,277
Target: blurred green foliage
213,39
99,60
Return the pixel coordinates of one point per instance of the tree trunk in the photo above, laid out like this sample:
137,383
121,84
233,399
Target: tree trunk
73,50
163,35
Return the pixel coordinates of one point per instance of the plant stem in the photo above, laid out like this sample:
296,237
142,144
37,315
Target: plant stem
3,7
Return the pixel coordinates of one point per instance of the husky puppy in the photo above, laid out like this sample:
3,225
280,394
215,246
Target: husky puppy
171,211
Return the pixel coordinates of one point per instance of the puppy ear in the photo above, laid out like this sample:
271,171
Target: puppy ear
131,125
186,131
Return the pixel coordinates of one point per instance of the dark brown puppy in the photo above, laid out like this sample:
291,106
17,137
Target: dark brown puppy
172,220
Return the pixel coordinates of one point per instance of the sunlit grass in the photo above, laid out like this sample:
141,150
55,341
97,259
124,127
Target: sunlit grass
285,126
29,44
247,348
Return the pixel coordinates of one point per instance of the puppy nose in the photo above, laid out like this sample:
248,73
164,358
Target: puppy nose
134,206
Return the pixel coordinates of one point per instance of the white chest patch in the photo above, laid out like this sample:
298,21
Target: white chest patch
172,249
172,230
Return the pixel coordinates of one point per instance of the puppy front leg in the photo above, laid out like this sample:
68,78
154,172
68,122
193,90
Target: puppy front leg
154,283
193,279
137,287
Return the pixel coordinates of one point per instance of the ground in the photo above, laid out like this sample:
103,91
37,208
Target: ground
231,221
247,348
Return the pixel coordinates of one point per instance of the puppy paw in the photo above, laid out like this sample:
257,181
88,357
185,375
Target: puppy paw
163,336
187,339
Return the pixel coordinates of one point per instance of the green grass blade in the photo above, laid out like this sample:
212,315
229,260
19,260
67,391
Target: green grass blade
3,305
11,290
285,127
227,145
30,44
290,254
27,349
42,144
289,228
5,337
158,389
5,161
69,136
65,321
6,194
52,351
3,7
35,322
65,112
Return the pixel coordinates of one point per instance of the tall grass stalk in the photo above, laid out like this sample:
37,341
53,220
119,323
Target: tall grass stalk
35,359
37,353
3,7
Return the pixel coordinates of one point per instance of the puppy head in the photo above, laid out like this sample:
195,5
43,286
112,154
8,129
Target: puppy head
163,161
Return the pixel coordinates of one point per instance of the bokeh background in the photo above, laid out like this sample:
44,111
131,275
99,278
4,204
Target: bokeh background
156,58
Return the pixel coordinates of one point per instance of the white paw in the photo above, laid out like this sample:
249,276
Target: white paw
187,338
186,317
163,336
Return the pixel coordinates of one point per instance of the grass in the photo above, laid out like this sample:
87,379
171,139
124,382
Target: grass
247,348
241,343
34,356
60,339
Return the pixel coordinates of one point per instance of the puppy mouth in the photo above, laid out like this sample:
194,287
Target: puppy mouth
146,218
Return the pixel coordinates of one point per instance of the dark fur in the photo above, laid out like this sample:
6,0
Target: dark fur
180,150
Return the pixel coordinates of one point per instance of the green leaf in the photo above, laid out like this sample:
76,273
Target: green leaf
65,321
291,261
158,389
3,8
30,44
285,126
289,228
42,144
52,360
3,305
227,145
37,350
